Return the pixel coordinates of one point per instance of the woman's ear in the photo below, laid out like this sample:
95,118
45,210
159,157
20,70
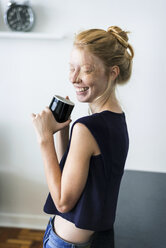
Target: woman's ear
114,72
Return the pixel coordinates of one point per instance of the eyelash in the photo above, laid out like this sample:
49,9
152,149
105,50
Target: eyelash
86,71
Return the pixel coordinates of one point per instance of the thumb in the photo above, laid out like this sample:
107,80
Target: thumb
66,123
63,125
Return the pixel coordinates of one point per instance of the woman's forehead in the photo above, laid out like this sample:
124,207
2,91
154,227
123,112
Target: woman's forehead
83,57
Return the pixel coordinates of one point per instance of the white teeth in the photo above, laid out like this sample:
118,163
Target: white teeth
82,89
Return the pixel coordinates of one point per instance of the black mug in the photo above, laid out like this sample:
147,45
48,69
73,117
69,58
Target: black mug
61,108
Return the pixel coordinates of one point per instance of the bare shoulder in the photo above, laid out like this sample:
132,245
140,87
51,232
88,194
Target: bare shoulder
81,130
82,135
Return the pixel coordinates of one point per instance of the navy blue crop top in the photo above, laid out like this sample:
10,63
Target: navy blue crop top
96,207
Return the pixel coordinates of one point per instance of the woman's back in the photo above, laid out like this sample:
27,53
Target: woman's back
69,232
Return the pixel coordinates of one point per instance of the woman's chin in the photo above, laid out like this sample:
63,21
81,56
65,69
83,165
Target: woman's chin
82,98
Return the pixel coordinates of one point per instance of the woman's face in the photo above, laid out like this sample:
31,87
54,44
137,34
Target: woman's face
87,73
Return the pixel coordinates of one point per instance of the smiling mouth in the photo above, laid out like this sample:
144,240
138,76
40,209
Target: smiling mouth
82,89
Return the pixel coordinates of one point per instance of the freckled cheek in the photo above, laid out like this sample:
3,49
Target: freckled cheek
89,81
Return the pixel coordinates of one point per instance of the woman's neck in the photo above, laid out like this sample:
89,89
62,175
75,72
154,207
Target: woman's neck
110,104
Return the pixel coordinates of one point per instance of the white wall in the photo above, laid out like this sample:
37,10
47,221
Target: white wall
33,70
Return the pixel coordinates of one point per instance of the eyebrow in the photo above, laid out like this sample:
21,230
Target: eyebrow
83,64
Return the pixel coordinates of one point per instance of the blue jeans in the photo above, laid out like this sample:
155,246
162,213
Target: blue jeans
52,240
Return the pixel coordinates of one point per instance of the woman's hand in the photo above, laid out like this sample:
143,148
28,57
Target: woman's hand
46,125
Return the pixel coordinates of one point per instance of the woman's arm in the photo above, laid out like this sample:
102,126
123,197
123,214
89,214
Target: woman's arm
65,188
62,139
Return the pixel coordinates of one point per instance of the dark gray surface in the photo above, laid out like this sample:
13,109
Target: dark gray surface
141,211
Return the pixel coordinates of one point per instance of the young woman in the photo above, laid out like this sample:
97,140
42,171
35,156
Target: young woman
84,172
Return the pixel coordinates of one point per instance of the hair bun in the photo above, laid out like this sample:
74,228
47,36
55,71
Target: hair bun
122,37
119,34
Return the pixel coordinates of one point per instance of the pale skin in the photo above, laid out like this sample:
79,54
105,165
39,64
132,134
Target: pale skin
86,71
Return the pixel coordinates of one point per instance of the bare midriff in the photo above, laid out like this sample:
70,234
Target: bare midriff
69,232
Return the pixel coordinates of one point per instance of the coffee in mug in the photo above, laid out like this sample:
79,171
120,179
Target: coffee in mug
61,108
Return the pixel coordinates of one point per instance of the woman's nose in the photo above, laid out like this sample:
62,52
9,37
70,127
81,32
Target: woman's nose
75,77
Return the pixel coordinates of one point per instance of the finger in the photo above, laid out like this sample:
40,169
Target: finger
67,97
47,109
33,115
67,122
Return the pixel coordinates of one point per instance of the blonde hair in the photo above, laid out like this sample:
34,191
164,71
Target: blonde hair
112,48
